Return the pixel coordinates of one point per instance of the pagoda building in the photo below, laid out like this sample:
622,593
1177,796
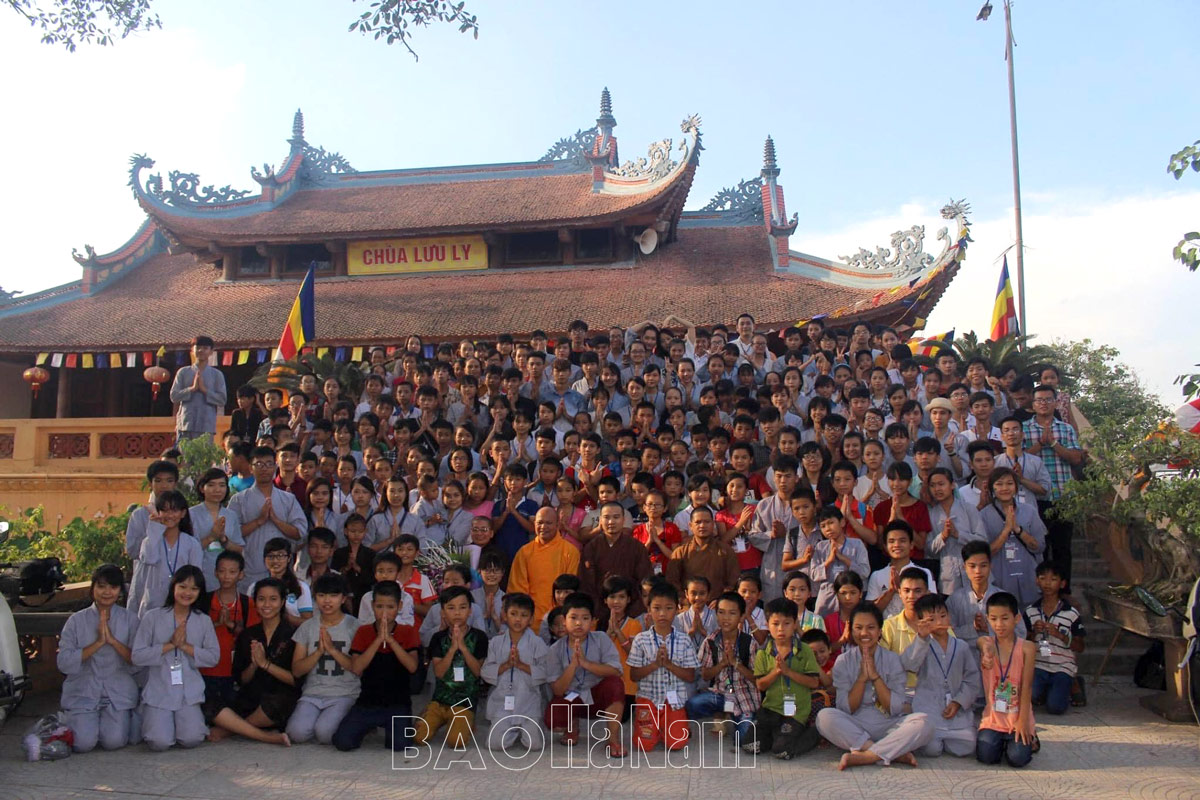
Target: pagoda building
447,253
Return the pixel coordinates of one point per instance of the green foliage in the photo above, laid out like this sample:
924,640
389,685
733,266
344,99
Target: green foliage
75,22
197,457
1013,350
1187,252
390,20
82,545
1190,384
1127,478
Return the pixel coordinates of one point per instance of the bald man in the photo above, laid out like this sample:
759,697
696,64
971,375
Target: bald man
538,563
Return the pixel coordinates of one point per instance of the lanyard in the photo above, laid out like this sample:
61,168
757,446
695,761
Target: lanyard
949,662
1008,666
787,682
1050,619
670,643
587,639
167,554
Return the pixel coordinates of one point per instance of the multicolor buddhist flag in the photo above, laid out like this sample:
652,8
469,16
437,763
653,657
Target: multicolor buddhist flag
299,327
931,344
1004,312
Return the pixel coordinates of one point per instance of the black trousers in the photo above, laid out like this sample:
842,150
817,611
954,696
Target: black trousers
779,734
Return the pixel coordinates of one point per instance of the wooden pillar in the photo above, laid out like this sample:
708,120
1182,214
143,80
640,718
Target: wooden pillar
112,393
62,408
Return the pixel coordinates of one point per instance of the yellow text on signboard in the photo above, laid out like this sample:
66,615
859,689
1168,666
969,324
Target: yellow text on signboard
388,256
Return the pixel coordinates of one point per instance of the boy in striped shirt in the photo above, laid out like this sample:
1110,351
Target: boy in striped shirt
1057,629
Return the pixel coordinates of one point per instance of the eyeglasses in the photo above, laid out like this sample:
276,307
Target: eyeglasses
1043,399
263,464
275,556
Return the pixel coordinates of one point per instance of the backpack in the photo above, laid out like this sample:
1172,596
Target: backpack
743,650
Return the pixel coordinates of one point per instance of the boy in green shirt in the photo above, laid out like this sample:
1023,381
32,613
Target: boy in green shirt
786,672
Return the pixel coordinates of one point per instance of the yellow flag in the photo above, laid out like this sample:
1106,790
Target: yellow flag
114,360
243,357
357,355
88,361
162,351
41,358
322,352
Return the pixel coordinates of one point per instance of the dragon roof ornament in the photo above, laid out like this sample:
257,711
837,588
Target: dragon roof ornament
743,201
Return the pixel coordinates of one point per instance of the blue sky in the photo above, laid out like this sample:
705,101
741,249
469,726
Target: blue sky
880,113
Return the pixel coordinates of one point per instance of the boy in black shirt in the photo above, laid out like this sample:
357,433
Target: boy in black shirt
385,655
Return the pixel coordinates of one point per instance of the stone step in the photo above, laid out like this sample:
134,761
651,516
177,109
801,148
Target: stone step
1125,655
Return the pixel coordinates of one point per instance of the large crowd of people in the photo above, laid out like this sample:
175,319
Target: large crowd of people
812,538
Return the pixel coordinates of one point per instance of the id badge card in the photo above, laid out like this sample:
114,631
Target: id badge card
949,698
571,697
739,545
1003,697
672,698
729,706
1010,551
1044,648
510,703
657,568
460,674
177,673
215,546
789,706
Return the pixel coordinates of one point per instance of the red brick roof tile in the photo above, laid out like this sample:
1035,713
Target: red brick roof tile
317,214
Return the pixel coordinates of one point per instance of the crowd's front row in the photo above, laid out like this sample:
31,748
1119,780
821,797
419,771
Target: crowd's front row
779,677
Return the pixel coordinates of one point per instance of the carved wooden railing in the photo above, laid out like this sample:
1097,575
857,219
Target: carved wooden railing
84,445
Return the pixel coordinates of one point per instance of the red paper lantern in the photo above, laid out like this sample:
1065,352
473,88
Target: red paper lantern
35,377
157,376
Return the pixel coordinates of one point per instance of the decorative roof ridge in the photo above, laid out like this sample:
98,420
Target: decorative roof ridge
89,257
657,167
906,262
304,165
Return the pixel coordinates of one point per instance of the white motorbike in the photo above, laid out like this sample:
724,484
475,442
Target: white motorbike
13,680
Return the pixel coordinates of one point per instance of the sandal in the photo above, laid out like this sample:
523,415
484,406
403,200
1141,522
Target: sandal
569,739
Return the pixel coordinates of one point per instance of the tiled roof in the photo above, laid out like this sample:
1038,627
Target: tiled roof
708,275
348,210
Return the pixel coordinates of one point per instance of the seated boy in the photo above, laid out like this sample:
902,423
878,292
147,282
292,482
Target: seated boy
322,654
516,667
947,679
899,630
563,586
754,622
454,575
883,587
663,662
869,720
387,568
797,587
786,673
818,641
412,580
1058,631
698,620
385,654
726,667
586,670
456,655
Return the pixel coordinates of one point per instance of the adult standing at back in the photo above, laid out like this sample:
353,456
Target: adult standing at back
199,391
